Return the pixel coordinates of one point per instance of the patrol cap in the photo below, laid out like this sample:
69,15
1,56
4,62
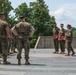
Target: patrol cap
21,17
62,24
2,13
69,26
54,23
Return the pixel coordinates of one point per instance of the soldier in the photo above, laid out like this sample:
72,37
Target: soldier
13,43
55,36
0,51
61,39
4,35
69,37
23,31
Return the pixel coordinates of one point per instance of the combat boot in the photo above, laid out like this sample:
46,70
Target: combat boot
19,62
72,53
57,52
54,52
63,52
27,62
60,53
6,62
67,55
1,55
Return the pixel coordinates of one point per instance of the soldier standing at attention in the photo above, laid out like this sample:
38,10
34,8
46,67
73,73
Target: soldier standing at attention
23,31
55,36
61,39
69,38
4,35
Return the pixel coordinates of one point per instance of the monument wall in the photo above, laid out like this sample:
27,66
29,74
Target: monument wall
47,42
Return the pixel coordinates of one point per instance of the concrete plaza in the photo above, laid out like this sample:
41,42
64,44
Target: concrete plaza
43,62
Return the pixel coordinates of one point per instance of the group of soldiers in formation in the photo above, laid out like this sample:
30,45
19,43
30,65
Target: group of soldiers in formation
61,37
16,37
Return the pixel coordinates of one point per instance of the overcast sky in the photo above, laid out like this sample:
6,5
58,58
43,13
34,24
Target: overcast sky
63,10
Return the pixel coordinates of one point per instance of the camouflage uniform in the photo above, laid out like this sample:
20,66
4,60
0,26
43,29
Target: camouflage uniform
13,43
0,50
56,42
61,39
24,30
69,41
3,39
9,44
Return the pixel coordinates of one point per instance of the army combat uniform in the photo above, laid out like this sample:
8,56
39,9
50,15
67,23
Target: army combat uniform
13,43
61,39
0,50
4,40
55,37
24,31
69,42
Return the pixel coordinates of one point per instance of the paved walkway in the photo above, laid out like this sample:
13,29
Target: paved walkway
43,62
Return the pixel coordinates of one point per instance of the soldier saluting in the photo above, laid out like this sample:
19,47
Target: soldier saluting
4,35
23,30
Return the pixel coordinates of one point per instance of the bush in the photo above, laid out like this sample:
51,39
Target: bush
32,43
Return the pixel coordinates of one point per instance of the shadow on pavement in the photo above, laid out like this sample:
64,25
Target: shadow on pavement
15,64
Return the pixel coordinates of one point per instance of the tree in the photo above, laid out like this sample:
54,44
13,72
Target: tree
24,10
38,15
41,18
49,28
74,31
12,21
5,6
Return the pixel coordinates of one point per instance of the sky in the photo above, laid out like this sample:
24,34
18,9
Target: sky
63,10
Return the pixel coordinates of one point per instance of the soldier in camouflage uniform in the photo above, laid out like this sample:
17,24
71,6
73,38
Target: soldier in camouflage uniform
23,30
13,43
55,36
69,38
4,35
61,39
0,51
